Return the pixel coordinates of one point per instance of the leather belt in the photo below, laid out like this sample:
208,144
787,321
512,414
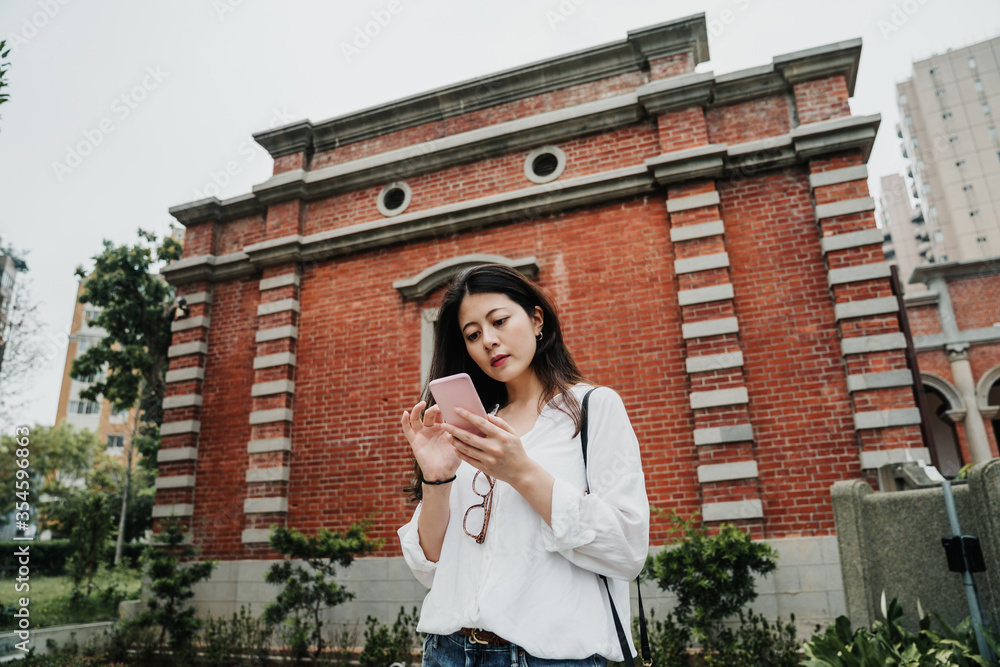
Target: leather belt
477,636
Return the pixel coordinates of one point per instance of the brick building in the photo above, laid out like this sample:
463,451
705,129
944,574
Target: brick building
710,242
956,332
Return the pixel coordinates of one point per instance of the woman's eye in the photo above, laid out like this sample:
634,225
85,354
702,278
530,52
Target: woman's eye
473,336
500,322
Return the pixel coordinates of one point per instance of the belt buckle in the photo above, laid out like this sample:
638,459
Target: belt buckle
475,639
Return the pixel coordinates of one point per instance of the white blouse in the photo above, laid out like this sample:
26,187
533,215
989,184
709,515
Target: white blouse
533,584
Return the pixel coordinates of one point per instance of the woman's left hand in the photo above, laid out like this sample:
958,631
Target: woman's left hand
499,453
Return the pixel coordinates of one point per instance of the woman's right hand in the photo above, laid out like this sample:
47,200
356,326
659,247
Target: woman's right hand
432,446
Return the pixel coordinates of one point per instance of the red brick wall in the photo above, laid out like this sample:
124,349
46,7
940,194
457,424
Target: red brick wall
976,301
592,154
529,106
924,320
799,406
749,121
821,99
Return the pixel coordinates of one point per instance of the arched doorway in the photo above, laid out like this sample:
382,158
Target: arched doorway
944,408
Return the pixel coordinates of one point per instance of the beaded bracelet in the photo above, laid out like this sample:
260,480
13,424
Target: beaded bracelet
443,481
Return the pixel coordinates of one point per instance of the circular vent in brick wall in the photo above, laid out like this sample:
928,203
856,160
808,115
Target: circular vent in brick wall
394,199
544,164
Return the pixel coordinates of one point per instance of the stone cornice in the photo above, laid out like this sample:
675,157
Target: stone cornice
838,134
822,61
687,34
971,268
212,209
514,206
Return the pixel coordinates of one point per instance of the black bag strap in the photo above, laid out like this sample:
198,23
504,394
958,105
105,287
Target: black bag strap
647,658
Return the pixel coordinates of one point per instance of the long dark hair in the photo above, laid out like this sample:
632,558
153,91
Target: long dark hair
553,364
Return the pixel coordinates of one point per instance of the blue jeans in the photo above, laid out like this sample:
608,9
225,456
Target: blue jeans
458,651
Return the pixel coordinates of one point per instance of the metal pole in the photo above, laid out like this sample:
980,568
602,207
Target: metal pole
971,594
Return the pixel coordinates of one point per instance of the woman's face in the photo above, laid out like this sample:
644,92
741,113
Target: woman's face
499,334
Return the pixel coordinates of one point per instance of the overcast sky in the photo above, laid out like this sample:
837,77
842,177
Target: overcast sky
122,109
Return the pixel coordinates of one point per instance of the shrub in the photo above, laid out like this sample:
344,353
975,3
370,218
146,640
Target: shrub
243,640
386,646
307,591
889,643
47,558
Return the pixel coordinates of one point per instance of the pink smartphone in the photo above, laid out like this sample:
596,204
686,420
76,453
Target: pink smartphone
457,391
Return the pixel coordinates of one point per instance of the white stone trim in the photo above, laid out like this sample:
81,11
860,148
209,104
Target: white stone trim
886,418
178,509
884,380
179,427
278,307
876,343
265,505
277,333
560,164
845,207
275,387
177,454
271,416
278,474
269,445
866,307
197,297
690,297
186,375
852,240
719,260
837,176
191,323
733,510
283,280
689,202
182,401
174,482
714,362
870,460
699,231
719,397
184,349
723,434
857,274
272,360
705,328
256,536
721,472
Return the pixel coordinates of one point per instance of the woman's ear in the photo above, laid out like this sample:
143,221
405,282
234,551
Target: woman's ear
538,317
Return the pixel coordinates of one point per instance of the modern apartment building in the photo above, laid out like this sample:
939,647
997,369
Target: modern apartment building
906,241
949,113
113,428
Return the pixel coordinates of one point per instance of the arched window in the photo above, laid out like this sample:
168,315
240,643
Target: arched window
944,408
988,398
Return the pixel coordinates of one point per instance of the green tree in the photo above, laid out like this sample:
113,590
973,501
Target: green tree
308,590
136,312
171,588
61,463
25,345
93,521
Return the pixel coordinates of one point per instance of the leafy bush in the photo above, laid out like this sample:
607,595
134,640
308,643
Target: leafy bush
386,646
713,579
47,558
889,643
307,591
243,640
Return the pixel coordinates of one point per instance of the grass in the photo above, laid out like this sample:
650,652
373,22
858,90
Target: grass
51,600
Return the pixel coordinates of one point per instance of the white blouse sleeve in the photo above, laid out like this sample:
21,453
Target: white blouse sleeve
607,530
413,553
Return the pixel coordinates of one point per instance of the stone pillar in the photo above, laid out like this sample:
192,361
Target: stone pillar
181,425
269,449
886,419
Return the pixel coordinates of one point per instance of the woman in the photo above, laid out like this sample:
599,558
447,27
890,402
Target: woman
511,554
